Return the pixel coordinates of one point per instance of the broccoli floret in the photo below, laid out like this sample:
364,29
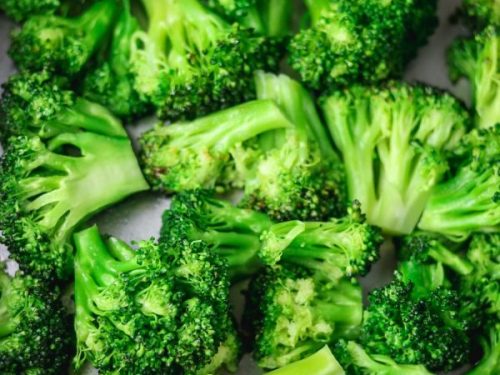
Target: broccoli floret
190,62
62,45
23,9
338,248
363,40
478,59
48,188
479,14
469,201
322,362
356,361
293,173
415,326
159,309
294,313
111,83
41,105
193,155
398,136
35,332
490,361
233,9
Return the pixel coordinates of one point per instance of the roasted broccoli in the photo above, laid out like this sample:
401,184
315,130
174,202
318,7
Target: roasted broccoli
479,14
160,309
394,141
322,362
468,201
20,10
293,313
478,59
363,40
190,62
61,44
35,331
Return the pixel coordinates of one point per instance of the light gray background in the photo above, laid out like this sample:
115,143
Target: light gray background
139,216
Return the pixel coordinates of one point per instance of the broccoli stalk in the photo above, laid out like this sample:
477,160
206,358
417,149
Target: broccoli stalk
490,362
322,362
398,136
62,45
23,9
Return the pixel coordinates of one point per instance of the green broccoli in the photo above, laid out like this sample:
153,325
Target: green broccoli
35,332
477,59
490,361
62,45
36,104
20,10
479,14
293,313
362,40
469,201
394,141
190,62
159,309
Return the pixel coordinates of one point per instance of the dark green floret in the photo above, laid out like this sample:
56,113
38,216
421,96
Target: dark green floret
394,141
363,40
479,14
20,10
294,313
61,44
191,62
35,332
158,309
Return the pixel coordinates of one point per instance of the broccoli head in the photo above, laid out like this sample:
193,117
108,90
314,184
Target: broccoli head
35,331
468,201
21,10
399,136
162,308
293,313
363,40
480,13
62,45
477,59
190,62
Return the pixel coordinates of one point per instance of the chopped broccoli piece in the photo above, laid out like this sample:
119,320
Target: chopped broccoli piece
480,13
469,201
394,141
35,332
190,62
62,45
294,313
363,40
20,10
478,59
490,361
158,309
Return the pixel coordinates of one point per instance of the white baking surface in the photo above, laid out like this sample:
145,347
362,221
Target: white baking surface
139,217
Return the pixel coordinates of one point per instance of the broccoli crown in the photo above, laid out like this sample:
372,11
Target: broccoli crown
35,332
193,155
46,190
356,361
111,83
399,136
38,104
338,248
480,13
190,62
412,326
21,10
62,45
294,313
477,59
159,309
469,201
363,40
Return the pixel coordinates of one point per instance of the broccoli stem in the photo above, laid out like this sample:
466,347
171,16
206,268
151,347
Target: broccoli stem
276,16
7,324
121,47
321,363
316,8
490,363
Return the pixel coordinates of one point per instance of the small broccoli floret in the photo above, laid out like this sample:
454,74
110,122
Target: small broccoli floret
62,45
35,332
344,247
111,83
38,104
415,326
479,14
193,155
490,361
191,62
294,313
23,9
356,361
469,201
233,9
478,59
47,189
363,40
158,309
398,136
